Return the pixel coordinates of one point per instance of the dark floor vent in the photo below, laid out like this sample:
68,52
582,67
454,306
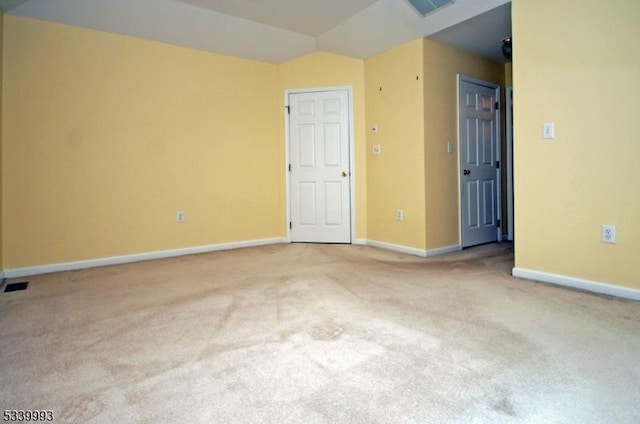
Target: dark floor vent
16,286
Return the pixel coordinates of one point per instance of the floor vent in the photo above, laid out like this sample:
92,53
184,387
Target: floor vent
16,286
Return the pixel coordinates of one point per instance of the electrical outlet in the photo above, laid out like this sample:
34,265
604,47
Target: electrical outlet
375,149
180,217
399,215
609,234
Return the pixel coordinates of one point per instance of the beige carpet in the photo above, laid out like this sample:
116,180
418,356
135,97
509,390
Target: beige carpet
307,333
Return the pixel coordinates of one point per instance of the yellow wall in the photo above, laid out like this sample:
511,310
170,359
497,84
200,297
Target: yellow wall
329,70
395,179
107,136
581,72
442,64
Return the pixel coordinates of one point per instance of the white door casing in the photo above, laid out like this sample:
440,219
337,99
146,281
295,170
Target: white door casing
479,151
509,152
319,154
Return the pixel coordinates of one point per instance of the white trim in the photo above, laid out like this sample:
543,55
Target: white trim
509,148
498,92
496,88
397,248
414,251
477,81
352,162
116,260
360,242
287,174
578,283
444,250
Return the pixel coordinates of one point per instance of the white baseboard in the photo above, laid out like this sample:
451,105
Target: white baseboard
444,250
578,283
412,250
163,254
360,242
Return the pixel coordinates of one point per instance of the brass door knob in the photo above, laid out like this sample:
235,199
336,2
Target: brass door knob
345,173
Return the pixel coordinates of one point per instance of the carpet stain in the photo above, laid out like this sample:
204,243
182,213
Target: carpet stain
327,332
504,406
81,409
228,312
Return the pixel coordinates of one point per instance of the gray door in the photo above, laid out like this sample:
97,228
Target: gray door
479,166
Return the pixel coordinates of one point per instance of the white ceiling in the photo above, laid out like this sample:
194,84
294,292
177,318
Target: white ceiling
277,31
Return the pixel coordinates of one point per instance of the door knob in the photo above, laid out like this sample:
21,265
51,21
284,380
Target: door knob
466,172
345,173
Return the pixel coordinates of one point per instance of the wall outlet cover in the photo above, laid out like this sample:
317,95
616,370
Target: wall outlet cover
608,234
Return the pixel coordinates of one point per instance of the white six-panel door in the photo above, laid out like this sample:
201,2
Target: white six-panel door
319,172
479,162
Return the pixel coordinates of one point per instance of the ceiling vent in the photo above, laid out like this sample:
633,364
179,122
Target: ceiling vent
425,7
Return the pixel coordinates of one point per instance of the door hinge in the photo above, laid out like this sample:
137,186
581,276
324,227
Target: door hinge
289,167
498,164
290,225
497,105
498,223
288,110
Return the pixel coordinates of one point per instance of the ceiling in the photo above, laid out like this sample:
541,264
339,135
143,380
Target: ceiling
277,31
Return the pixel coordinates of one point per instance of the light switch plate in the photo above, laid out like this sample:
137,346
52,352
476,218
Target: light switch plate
548,130
375,149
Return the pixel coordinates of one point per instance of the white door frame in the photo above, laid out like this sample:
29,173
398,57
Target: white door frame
509,148
287,143
496,88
